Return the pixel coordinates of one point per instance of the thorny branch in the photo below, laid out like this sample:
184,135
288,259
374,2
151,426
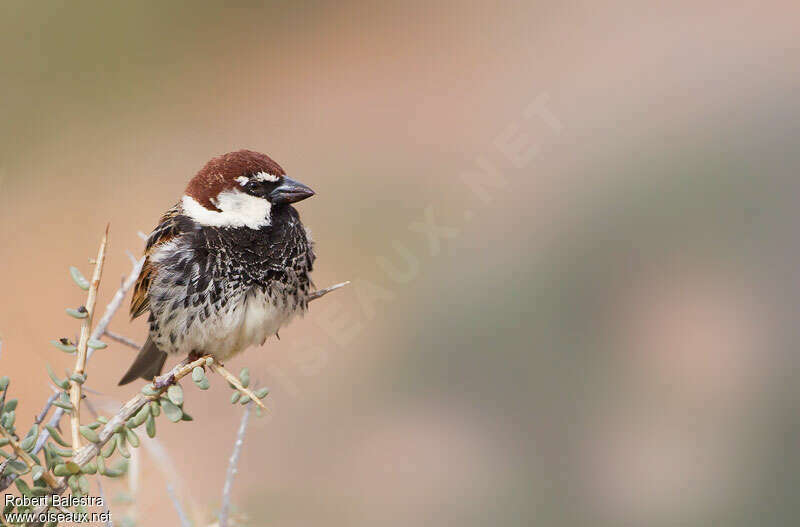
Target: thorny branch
83,343
89,451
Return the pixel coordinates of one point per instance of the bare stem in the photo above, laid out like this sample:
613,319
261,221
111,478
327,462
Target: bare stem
234,461
83,342
319,293
122,339
177,504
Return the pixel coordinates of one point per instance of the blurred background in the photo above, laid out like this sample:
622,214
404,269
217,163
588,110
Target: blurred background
568,227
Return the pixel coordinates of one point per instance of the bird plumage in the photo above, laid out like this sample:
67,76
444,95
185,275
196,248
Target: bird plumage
218,280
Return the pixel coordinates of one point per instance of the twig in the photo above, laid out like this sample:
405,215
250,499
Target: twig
122,339
178,507
128,410
116,302
237,452
27,459
100,329
43,413
234,380
319,293
83,342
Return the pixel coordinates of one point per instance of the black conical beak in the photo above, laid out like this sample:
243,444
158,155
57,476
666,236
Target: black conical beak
290,191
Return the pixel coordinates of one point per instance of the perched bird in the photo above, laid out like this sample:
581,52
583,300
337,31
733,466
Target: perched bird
227,266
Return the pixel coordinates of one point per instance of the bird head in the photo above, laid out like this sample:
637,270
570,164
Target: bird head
240,189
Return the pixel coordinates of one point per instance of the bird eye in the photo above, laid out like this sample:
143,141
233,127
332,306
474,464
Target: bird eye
253,187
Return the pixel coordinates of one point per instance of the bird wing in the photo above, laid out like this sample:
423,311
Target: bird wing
169,227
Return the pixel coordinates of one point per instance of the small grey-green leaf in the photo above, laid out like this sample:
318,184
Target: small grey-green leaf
262,392
56,436
77,313
149,390
97,344
73,467
121,448
155,408
209,361
83,483
79,278
90,467
203,384
64,452
61,383
133,439
80,378
186,417
23,487
4,441
89,434
235,397
245,399
27,444
37,473
150,426
109,449
72,481
244,377
172,412
198,373
66,348
10,406
4,381
175,394
61,470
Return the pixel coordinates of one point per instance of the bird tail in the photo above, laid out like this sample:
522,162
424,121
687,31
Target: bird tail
148,363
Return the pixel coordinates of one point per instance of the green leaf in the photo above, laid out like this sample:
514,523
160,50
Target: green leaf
175,394
121,448
61,383
8,420
27,444
149,390
79,278
89,434
23,487
97,344
73,467
80,378
61,470
83,484
203,384
172,412
4,381
198,373
133,439
262,392
72,481
90,467
155,408
245,399
63,452
244,377
109,449
18,466
117,471
56,436
186,417
37,473
77,313
150,427
140,417
10,406
235,397
66,348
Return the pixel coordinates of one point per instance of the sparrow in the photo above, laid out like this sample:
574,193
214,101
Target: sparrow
226,267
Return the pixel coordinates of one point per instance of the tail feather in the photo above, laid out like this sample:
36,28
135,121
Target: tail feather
148,363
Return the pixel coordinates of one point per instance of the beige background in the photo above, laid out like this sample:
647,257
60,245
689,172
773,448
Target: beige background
606,339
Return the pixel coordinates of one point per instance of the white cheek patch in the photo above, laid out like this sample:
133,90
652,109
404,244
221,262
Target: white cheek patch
263,176
242,180
237,210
